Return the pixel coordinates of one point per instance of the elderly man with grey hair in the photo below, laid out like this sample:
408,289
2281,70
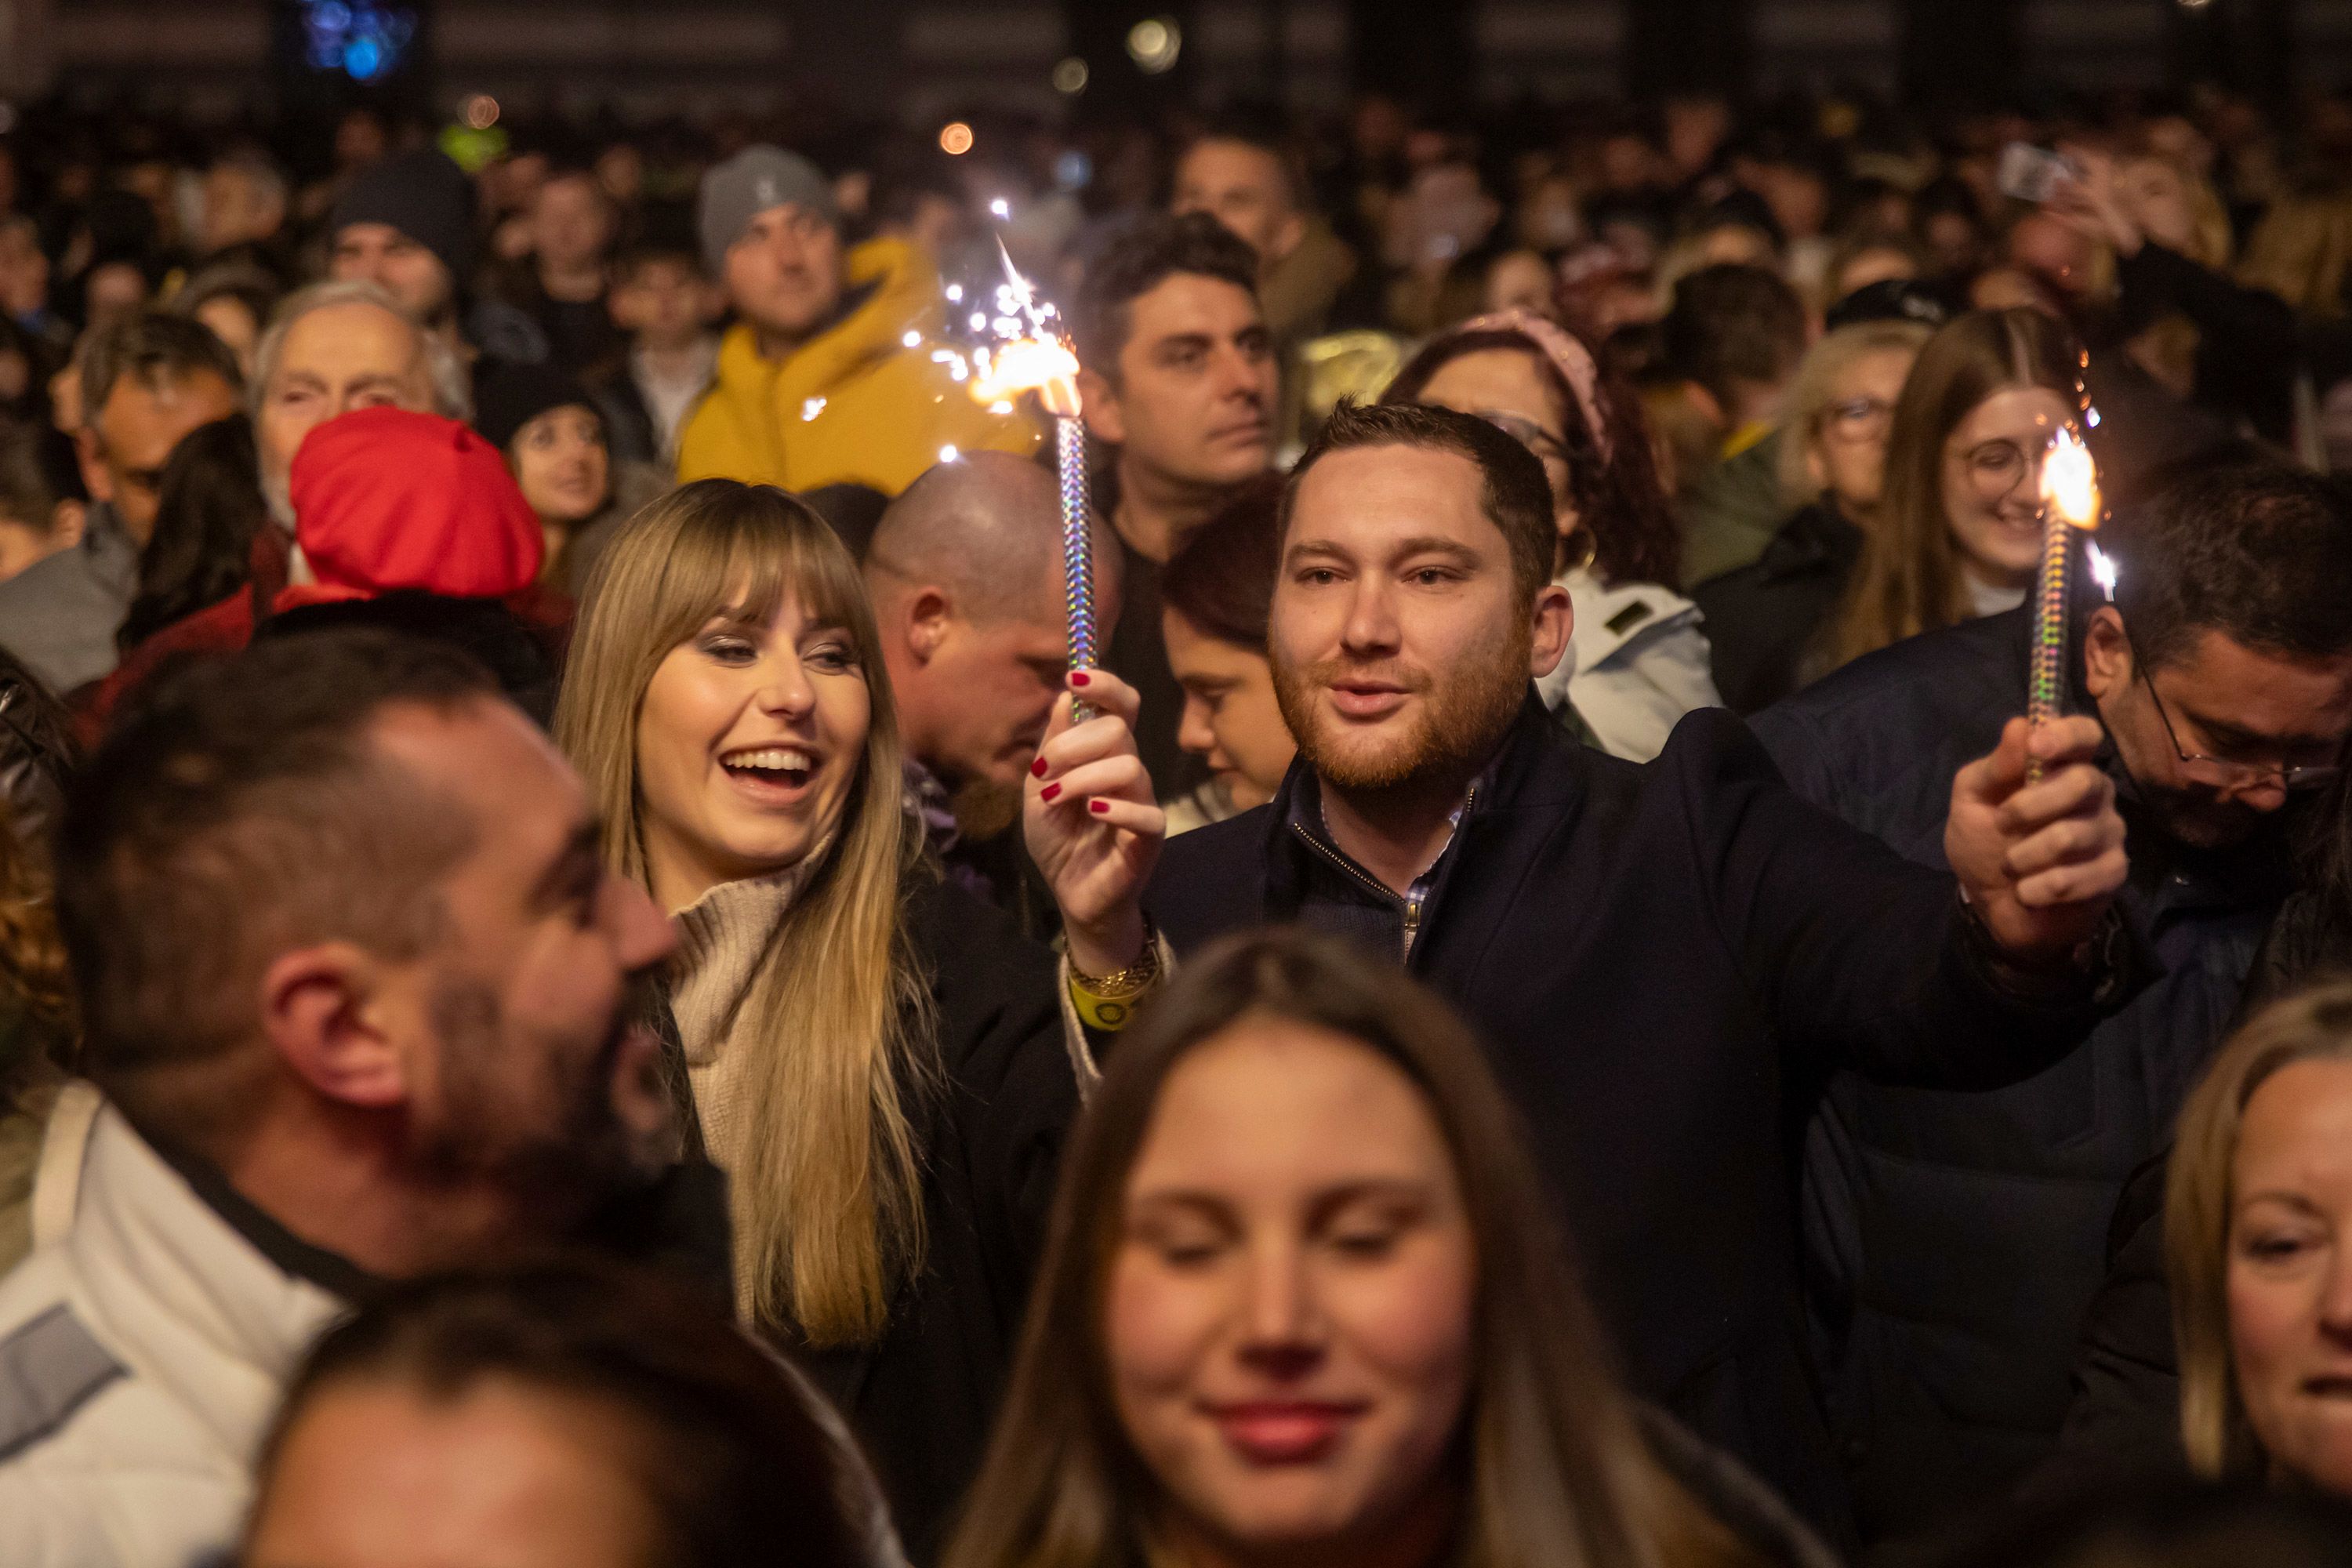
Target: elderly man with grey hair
965,573
334,347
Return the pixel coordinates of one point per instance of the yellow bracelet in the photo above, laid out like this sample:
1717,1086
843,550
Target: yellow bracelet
1107,1014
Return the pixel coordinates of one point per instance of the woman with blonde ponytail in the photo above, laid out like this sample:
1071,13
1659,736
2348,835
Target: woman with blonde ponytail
875,1057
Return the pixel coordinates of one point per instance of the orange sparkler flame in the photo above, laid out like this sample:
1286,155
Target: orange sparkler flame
2069,482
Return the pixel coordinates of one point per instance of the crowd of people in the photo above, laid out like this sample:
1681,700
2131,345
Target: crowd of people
583,979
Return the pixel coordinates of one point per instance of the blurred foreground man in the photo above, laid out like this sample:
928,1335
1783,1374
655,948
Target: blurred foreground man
1659,958
352,984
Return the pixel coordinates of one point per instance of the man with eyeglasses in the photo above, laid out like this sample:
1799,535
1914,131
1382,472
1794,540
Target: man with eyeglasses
1956,1241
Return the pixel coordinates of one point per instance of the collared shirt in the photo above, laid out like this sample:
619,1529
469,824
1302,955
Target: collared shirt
1351,902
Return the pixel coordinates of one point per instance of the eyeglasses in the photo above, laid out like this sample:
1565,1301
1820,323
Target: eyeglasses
2220,772
1527,434
1995,469
1859,418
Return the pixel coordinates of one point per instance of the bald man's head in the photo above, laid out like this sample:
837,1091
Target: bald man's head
986,530
965,572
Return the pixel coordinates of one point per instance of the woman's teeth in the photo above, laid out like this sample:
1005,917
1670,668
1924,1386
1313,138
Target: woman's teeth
790,760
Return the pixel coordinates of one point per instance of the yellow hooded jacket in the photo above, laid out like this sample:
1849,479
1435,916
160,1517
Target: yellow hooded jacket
853,405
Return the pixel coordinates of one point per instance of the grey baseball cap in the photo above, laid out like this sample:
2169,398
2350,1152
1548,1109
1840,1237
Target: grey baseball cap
749,184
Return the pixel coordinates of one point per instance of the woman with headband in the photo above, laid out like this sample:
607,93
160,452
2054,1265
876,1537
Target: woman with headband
1637,660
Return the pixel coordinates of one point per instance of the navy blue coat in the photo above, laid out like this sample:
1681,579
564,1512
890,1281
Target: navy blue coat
1660,960
1955,1241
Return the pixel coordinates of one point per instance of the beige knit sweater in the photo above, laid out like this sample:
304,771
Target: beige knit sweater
721,938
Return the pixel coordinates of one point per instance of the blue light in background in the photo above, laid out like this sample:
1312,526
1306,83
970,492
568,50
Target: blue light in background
361,39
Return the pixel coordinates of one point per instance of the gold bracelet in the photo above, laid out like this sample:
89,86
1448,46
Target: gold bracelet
1107,1002
1121,985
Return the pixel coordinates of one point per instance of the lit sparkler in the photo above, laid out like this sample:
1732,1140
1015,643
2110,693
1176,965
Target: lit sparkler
1030,352
2070,500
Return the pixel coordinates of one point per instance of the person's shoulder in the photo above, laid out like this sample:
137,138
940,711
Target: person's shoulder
1211,855
1211,880
54,1368
980,960
1954,670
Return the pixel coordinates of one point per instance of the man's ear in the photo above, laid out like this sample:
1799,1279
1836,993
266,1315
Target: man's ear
928,615
94,477
323,1009
1555,620
1289,235
1100,401
2107,665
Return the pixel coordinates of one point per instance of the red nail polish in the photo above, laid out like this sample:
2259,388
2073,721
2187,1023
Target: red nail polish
1080,678
1037,768
1049,791
1099,806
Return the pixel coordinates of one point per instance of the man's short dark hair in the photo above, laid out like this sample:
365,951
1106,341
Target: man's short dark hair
1221,578
2257,551
235,812
1261,130
158,349
1731,323
1514,493
1138,262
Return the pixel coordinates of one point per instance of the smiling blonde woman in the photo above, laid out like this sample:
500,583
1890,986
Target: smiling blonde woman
874,1057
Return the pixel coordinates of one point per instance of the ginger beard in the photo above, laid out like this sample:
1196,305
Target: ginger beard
1440,739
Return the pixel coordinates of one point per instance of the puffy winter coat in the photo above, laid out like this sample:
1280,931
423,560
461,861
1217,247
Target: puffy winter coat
856,404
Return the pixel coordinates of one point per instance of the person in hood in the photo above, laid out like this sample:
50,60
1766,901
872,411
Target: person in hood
826,378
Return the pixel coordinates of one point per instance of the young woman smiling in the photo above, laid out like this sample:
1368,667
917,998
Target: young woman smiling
874,1057
1958,532
1304,1306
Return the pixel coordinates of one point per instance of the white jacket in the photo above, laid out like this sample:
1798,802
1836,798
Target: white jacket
142,1349
1636,662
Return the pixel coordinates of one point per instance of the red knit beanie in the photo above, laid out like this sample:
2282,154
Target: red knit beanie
384,500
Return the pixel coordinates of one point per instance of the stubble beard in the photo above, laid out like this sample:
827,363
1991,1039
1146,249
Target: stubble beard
1459,718
555,1160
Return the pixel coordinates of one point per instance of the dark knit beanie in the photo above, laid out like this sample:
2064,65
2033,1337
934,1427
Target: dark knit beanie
426,197
509,396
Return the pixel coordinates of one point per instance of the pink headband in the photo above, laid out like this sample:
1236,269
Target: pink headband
1570,357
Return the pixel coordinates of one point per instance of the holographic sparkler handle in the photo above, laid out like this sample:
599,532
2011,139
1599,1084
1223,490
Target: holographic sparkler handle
1077,551
2045,691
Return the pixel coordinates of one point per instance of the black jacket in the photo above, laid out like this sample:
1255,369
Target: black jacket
1762,619
1954,1241
921,1399
1658,958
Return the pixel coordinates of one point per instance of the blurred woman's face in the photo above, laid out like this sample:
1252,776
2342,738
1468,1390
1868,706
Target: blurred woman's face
1507,387
1231,721
748,741
2290,1269
1849,447
561,464
1992,482
1289,1312
1520,281
372,1475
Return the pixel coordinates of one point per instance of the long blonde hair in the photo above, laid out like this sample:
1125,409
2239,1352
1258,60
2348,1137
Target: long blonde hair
1553,1465
2197,1198
1909,579
826,1193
